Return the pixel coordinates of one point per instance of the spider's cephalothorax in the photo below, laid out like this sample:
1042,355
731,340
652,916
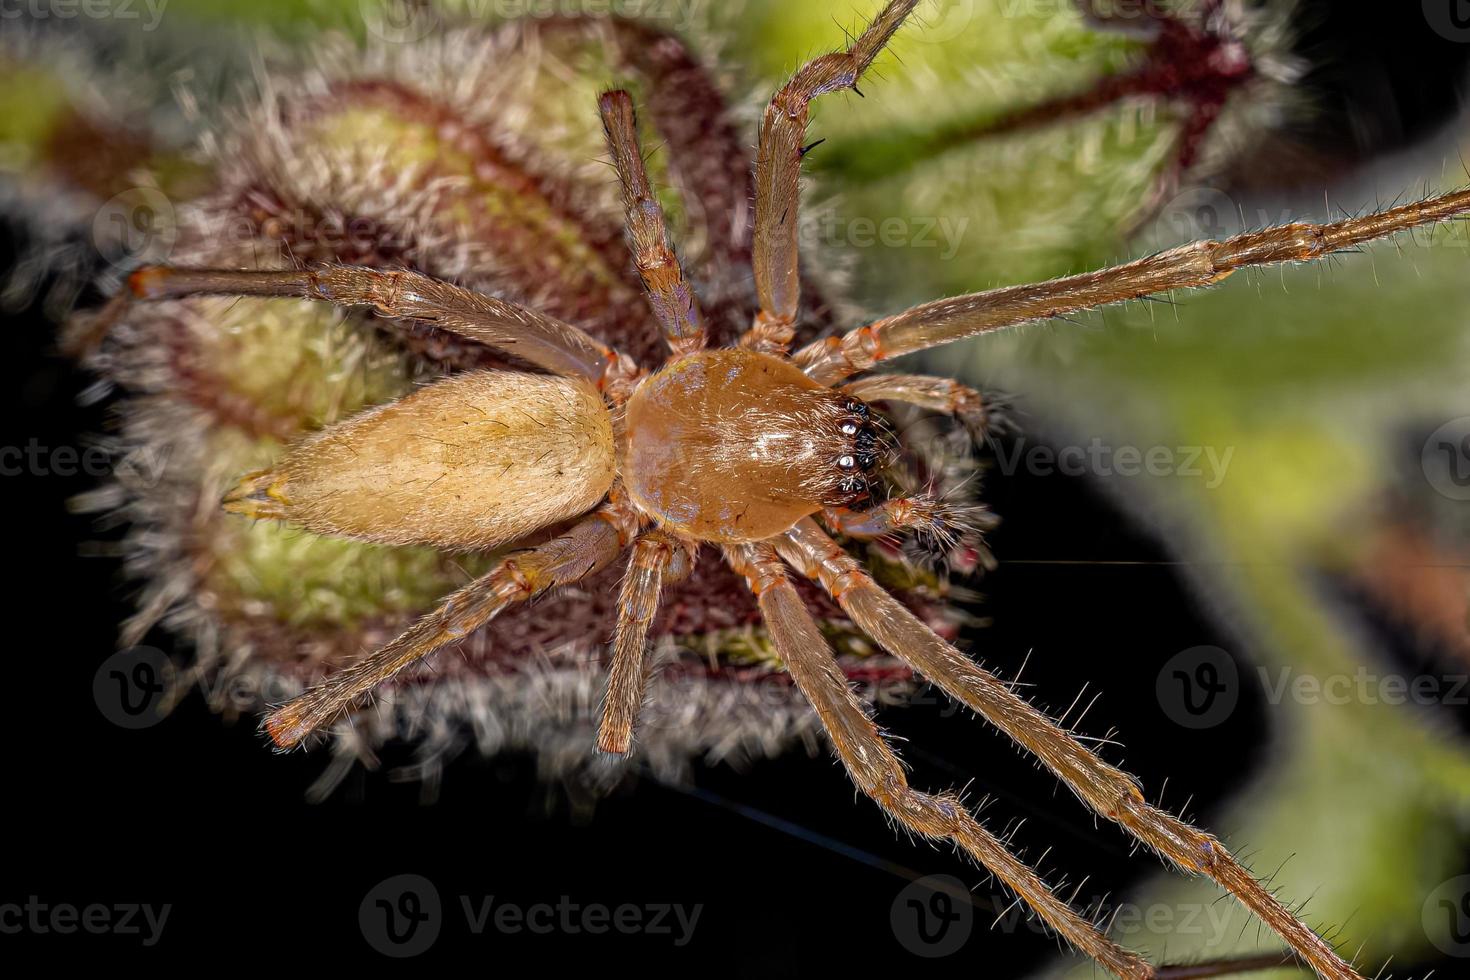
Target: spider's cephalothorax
751,448
733,446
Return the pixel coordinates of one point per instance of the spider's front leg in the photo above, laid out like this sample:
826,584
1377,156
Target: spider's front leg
778,175
1194,266
877,771
586,547
544,341
1108,791
669,293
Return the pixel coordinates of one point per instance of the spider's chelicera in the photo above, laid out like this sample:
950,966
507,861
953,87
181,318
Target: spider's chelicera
749,449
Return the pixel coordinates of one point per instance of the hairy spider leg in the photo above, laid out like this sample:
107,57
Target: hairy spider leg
658,559
1107,791
1191,266
544,341
778,175
669,293
877,771
586,547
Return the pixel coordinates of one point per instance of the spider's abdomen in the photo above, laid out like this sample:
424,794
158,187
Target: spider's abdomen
477,460
731,445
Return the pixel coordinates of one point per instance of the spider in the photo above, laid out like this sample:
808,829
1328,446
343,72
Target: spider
756,450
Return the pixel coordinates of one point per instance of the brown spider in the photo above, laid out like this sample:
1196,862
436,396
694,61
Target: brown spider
741,448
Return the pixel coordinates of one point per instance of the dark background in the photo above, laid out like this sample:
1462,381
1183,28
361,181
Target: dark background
793,872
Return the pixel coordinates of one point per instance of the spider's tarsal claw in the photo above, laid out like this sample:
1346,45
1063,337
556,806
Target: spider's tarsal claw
260,495
617,743
287,726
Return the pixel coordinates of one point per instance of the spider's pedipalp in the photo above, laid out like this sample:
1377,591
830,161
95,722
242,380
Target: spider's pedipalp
935,521
1106,790
1192,266
778,174
587,546
539,339
669,293
657,559
877,771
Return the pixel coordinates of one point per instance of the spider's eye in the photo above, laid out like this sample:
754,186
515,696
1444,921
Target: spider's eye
847,463
850,428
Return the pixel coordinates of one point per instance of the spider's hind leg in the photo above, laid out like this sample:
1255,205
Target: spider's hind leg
586,547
